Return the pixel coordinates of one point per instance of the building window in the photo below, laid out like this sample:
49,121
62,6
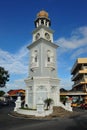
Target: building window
48,59
36,59
42,21
48,55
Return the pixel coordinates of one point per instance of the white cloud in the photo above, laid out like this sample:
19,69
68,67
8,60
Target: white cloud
66,83
77,40
79,52
15,63
70,49
16,84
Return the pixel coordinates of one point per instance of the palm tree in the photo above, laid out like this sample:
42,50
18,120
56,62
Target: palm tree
48,101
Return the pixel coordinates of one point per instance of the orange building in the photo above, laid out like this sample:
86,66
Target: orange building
79,76
15,93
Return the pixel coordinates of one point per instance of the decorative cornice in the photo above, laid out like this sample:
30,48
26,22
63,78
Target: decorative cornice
39,41
44,27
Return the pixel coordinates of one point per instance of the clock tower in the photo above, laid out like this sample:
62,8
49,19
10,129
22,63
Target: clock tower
42,24
42,82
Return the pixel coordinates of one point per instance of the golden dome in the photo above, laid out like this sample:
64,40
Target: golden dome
42,14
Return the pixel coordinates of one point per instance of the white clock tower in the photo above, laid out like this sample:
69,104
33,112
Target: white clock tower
42,81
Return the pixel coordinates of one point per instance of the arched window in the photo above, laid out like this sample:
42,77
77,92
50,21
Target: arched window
48,56
42,21
35,58
48,59
35,52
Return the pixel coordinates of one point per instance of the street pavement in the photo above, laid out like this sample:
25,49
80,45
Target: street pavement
8,122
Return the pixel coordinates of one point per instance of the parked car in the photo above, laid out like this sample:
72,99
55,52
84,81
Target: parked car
5,103
83,106
74,104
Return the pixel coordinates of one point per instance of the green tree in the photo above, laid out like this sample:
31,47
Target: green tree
4,77
2,93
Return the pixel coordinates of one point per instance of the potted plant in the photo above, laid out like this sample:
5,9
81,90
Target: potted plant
48,101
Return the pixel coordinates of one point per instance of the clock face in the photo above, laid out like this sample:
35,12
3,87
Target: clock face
47,36
37,36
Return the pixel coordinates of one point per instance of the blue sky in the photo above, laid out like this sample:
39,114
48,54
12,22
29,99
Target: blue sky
69,21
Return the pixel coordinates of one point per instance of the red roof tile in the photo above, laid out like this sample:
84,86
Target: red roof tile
15,92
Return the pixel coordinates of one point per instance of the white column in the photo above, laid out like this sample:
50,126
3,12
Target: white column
34,100
26,97
57,96
34,95
44,22
49,90
47,24
39,22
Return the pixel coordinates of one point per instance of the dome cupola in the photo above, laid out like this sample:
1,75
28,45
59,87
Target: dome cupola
42,19
42,14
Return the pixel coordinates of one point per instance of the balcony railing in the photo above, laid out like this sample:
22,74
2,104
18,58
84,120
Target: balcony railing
51,64
82,71
84,67
34,65
82,81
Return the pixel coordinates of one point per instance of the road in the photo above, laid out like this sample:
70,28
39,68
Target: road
10,123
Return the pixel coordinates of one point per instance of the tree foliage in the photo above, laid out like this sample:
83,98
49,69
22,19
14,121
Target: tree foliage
2,93
4,77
